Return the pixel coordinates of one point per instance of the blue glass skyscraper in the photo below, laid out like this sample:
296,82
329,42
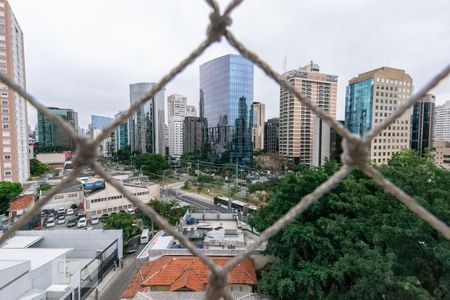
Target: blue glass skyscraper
226,95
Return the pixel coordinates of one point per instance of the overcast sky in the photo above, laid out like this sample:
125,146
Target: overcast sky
83,54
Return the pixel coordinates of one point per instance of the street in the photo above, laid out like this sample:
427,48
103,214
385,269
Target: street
115,287
196,202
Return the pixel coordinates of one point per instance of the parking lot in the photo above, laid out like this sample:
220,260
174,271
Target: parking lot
67,220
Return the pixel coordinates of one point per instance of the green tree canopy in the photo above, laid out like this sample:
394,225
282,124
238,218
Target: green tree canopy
152,164
38,168
357,241
170,210
125,222
124,155
8,191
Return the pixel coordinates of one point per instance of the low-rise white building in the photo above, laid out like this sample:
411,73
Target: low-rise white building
71,194
58,264
109,200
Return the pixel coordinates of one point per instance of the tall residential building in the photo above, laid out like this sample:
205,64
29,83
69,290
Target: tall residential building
176,105
370,98
226,94
304,138
193,131
258,113
442,123
191,111
422,124
14,160
272,135
50,136
147,123
122,134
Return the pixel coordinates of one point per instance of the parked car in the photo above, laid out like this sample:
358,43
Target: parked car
70,211
103,218
133,244
50,223
61,220
61,210
50,219
94,220
71,222
82,222
130,210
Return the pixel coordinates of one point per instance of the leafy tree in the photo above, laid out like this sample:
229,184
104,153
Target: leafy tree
73,206
8,191
124,155
170,210
45,187
357,241
152,164
125,222
38,168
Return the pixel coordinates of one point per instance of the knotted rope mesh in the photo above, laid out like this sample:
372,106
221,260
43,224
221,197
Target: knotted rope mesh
354,154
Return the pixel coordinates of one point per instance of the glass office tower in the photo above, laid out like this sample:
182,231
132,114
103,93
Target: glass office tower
226,95
147,123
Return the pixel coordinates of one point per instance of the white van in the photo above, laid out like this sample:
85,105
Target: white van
145,236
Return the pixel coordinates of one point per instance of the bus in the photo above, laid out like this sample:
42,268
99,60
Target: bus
235,204
145,236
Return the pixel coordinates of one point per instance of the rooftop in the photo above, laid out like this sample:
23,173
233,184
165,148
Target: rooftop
185,272
37,257
21,242
21,202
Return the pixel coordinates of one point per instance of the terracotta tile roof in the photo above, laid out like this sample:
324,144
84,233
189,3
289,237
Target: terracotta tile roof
21,202
185,272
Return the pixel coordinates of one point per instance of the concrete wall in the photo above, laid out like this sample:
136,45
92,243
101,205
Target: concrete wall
22,280
51,158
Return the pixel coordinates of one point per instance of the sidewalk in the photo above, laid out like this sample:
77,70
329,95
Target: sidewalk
110,278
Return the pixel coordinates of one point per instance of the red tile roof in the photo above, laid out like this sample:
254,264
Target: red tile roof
178,272
21,202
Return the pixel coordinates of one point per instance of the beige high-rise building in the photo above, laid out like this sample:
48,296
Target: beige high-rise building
258,112
14,161
176,113
304,138
373,96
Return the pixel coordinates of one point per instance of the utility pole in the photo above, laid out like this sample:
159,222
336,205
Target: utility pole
198,169
237,175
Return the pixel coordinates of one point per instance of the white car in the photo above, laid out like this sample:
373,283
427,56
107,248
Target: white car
70,211
51,219
130,210
94,220
61,210
82,222
50,223
61,220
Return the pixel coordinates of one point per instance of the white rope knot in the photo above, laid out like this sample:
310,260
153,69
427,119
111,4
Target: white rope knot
87,153
355,152
218,26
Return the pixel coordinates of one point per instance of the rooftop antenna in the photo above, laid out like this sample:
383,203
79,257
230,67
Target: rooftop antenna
285,63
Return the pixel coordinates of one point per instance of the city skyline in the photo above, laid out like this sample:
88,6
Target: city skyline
70,69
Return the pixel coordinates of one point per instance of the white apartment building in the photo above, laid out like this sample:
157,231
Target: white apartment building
177,107
14,162
442,123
